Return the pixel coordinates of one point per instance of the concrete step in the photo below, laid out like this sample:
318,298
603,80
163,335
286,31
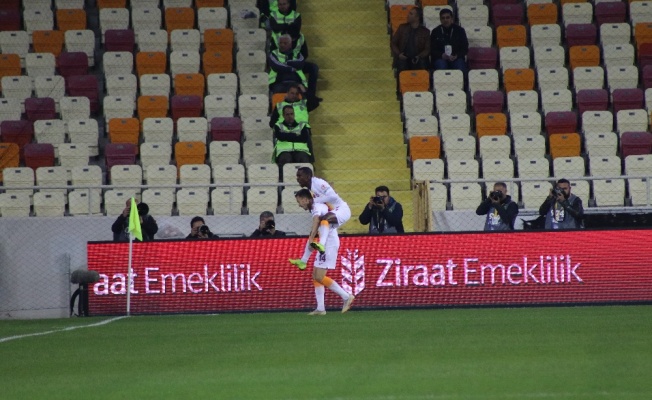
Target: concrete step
369,140
350,51
345,186
357,29
385,75
381,94
309,7
380,63
374,173
350,163
334,16
325,117
348,129
345,40
360,107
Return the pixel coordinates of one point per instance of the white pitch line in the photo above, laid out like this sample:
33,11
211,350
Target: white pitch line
70,328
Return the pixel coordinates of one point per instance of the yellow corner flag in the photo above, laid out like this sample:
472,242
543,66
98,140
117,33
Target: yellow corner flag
134,221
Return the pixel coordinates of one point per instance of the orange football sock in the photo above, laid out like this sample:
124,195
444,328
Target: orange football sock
327,281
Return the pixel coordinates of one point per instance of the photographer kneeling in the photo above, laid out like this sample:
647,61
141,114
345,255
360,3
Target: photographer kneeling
562,209
383,213
199,229
267,226
499,208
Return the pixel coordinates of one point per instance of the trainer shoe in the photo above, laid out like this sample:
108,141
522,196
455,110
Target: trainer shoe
298,263
317,312
347,303
318,246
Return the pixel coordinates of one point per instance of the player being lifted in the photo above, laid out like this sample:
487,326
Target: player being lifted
326,259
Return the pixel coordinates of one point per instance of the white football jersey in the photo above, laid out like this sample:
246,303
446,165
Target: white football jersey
322,192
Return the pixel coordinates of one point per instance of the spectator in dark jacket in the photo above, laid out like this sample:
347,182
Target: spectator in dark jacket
411,43
448,44
499,208
562,209
120,227
383,213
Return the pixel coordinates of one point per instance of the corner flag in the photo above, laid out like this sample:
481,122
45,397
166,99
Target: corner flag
134,222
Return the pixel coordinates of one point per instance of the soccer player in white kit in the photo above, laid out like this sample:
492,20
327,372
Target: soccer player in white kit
325,260
322,192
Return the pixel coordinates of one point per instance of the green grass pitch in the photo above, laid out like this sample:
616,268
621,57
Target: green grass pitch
441,354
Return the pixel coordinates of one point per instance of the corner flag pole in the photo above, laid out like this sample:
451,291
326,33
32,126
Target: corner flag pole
134,230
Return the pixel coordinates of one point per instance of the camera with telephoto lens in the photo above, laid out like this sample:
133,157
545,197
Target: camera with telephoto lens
378,200
204,230
496,195
557,191
269,227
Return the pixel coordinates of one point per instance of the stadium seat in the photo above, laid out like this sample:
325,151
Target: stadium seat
424,147
289,202
263,173
545,35
465,196
184,62
192,129
17,87
482,79
150,63
482,58
511,36
111,4
577,13
568,167
251,39
17,178
152,41
416,104
635,143
584,56
253,105
533,167
490,124
179,18
189,85
185,40
186,106
161,175
528,147
518,79
10,110
71,19
261,199
428,169
51,131
160,201
84,131
119,154
119,40
638,164
155,154
497,169
605,166
597,121
41,19
615,34
522,101
227,174
84,86
146,18
564,145
610,12
251,61
72,63
48,42
416,126
158,130
84,202
257,151
453,102
118,107
14,42
219,40
454,125
124,130
10,20
514,57
592,100
588,78
486,101
581,34
189,153
122,85
155,85
542,13
40,64
75,107
478,36
472,15
195,174
555,78
152,107
632,121
507,14
459,148
549,56
226,83
495,147
73,154
556,100
414,81
219,106
39,155
627,99
10,65
37,108
254,83
609,192
638,192
561,122
211,18
9,157
534,193
227,201
600,144
398,15
448,80
622,77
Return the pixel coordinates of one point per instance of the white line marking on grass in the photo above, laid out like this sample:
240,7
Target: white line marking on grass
70,328
558,395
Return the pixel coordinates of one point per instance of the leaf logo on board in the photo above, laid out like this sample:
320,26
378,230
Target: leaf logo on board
353,275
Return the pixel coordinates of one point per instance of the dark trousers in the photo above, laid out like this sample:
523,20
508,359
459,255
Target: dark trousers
292,157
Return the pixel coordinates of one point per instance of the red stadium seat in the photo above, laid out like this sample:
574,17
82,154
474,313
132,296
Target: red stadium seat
38,108
561,122
10,20
507,14
647,76
635,143
592,100
628,99
611,12
13,5
581,34
19,132
39,155
482,58
72,63
119,40
84,85
488,101
226,129
186,106
119,154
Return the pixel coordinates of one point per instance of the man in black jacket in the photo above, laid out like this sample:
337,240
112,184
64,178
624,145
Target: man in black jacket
448,44
562,209
499,208
267,227
383,213
120,227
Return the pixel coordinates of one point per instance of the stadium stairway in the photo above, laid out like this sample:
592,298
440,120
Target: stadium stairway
357,130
